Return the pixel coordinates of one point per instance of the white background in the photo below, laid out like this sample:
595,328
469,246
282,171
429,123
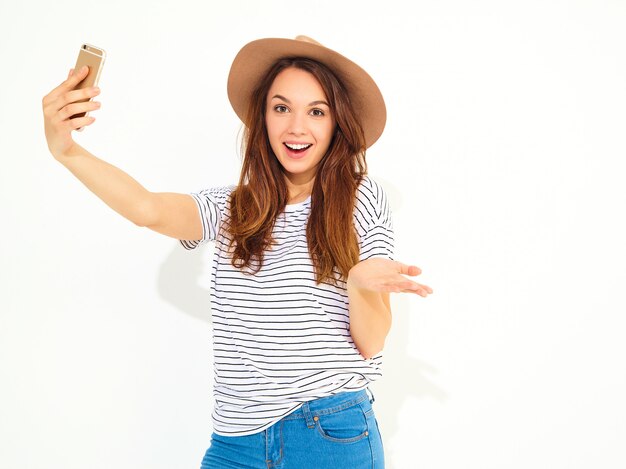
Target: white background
503,158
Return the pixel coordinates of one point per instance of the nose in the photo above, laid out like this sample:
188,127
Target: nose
297,124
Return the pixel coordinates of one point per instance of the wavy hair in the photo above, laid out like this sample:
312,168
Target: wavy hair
262,191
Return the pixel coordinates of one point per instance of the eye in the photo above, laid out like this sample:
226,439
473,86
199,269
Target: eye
317,112
280,108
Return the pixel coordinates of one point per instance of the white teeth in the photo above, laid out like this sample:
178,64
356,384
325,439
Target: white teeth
297,146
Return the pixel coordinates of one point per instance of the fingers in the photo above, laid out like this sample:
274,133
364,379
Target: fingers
421,290
74,79
77,108
380,274
70,103
408,286
70,83
80,122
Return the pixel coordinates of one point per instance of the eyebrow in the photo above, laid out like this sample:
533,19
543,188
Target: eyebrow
312,103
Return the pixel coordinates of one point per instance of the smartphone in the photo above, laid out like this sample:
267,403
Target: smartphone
93,57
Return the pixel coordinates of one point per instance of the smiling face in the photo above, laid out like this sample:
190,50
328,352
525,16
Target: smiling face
300,125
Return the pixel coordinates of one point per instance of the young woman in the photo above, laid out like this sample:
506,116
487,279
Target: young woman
303,264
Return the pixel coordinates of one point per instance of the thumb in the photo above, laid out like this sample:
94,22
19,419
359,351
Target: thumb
71,73
414,270
411,270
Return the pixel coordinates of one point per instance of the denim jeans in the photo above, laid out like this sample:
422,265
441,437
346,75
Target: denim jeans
335,432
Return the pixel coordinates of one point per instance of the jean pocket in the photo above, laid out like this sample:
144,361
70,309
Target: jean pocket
346,426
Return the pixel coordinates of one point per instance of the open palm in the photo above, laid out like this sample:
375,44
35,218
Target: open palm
385,275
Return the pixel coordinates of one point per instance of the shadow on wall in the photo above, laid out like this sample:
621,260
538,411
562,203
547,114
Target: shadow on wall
184,282
404,377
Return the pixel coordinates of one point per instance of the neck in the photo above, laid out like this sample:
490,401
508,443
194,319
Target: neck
298,190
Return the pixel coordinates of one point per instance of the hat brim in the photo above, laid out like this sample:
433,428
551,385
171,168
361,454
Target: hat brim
255,59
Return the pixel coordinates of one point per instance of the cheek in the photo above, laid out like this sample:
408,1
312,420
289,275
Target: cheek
274,137
271,130
326,133
274,129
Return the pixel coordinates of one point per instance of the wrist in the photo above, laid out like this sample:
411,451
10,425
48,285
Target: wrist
71,151
350,284
355,288
354,282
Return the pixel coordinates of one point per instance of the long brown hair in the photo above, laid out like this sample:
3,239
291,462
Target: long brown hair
262,192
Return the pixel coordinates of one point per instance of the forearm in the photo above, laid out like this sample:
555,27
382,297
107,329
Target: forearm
370,320
112,185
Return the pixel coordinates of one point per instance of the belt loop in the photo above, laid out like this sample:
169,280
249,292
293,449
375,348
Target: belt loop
370,391
307,415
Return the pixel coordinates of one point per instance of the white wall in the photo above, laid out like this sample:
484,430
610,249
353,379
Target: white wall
503,157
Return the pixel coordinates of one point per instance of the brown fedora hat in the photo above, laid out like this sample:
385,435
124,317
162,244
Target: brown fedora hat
256,58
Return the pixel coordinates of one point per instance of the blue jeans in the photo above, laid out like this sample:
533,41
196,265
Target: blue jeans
335,432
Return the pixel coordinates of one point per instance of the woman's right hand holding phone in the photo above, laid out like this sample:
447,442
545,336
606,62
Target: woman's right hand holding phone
168,213
62,103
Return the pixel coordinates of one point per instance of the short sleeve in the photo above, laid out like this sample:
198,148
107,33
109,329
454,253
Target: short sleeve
212,205
373,221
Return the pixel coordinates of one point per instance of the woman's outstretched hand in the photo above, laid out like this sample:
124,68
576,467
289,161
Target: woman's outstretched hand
385,275
62,103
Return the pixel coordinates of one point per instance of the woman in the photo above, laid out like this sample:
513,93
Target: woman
303,264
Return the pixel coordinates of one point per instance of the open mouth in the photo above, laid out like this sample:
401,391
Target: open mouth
298,147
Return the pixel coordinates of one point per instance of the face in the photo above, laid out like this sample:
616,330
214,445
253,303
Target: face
299,123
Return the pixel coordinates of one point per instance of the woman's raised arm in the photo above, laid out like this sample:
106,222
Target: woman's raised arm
171,214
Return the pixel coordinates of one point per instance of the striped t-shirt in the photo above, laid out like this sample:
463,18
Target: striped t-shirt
279,339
